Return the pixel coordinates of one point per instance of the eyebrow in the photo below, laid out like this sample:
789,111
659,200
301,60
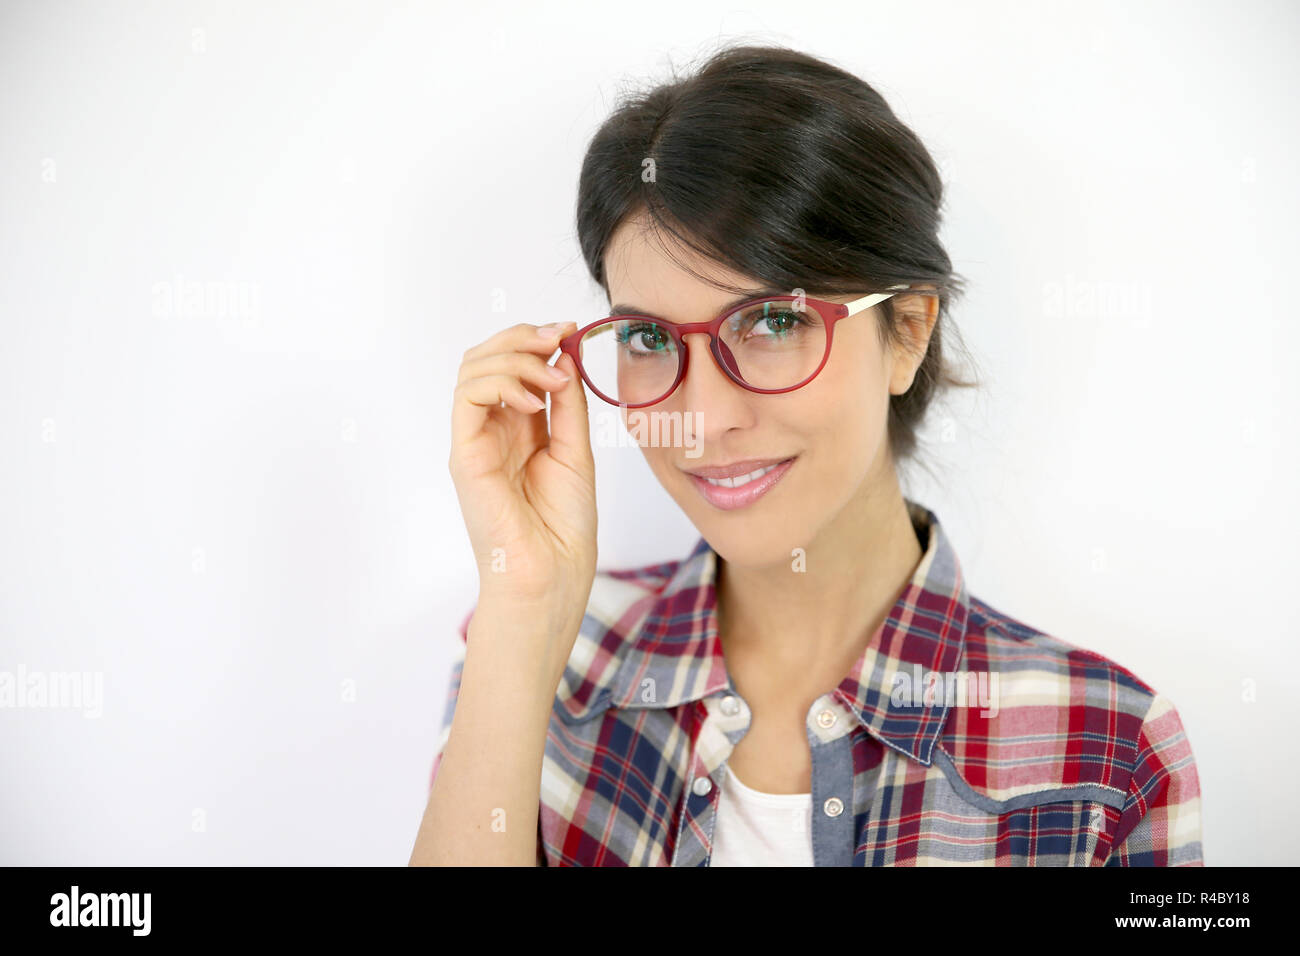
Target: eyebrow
623,309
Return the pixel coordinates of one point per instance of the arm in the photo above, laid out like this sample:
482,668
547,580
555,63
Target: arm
527,492
485,793
1160,824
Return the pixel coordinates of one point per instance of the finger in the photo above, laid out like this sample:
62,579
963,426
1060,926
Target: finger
472,401
531,368
570,442
522,338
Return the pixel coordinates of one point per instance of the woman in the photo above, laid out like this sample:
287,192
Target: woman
813,684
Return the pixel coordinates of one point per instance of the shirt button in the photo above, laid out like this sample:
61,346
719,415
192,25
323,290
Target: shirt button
826,718
702,785
833,807
730,706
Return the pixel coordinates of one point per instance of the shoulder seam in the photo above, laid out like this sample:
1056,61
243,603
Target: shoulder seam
1069,648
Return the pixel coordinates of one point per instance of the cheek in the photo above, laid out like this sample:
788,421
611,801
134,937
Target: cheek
663,462
858,384
847,391
844,411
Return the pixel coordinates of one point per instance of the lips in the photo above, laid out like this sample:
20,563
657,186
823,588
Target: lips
738,480
736,469
750,482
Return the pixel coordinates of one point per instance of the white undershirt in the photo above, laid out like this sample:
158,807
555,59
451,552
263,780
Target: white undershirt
761,829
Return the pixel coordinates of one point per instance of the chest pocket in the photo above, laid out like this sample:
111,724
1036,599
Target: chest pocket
1063,826
1055,833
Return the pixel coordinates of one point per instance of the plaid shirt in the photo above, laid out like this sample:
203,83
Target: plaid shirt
1065,759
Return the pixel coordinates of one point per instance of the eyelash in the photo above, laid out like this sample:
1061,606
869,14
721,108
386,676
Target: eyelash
623,335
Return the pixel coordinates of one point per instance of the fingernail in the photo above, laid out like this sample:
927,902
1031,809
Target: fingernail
550,329
558,374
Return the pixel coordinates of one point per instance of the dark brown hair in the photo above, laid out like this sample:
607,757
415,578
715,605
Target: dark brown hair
783,167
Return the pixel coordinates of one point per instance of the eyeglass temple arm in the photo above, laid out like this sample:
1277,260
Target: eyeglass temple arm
867,301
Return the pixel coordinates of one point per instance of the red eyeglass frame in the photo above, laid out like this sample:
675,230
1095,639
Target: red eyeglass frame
831,312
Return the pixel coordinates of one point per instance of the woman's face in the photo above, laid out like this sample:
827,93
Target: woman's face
832,430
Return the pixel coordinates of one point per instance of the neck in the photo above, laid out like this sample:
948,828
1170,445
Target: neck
777,621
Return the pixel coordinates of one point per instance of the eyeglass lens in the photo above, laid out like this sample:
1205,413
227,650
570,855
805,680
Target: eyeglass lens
772,345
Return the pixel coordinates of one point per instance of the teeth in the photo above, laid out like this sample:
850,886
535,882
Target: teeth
740,479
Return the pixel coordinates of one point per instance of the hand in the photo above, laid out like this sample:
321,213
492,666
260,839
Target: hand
528,497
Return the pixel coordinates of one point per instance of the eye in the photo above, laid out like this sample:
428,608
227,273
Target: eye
779,322
770,320
643,338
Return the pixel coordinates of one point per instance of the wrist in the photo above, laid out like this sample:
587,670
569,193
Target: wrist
537,638
550,614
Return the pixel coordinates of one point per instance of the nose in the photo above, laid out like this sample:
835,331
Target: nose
706,387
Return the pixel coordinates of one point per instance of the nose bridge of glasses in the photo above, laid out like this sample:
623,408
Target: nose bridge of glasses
703,340
716,353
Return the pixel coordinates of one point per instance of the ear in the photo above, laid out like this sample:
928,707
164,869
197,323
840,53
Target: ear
914,317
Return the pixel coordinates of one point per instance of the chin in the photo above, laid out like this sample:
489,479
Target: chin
753,537
753,551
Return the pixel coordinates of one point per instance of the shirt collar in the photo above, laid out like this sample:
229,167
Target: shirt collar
674,656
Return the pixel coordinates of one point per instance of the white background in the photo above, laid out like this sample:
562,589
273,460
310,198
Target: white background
237,511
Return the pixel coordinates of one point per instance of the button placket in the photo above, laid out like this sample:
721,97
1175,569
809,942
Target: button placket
829,736
726,719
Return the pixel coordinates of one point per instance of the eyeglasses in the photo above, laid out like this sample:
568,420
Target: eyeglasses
768,345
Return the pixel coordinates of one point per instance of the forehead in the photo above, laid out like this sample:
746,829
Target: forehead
642,277
639,270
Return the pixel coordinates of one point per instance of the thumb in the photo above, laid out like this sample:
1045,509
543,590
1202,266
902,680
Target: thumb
570,429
